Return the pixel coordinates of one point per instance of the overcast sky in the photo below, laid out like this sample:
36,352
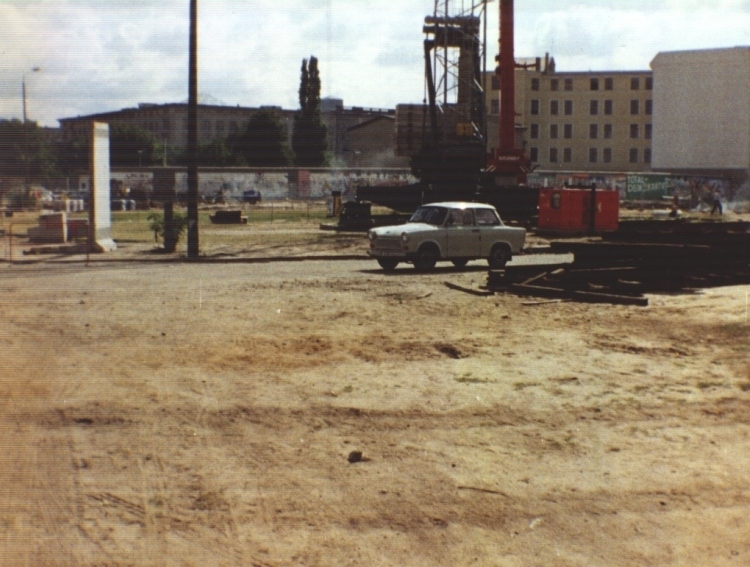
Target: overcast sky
103,55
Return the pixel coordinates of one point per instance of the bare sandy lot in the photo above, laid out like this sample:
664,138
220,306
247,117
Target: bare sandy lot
173,413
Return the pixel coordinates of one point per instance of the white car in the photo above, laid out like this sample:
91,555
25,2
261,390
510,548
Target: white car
453,231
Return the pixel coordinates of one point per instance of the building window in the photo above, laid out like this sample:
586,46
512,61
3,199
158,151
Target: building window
233,127
608,107
607,155
206,125
649,83
634,131
554,85
534,131
553,155
593,157
553,131
535,107
593,131
593,107
568,107
568,84
647,155
567,155
634,107
535,84
633,155
534,154
220,126
647,131
649,107
567,131
495,83
608,131
554,107
635,83
495,106
609,84
594,84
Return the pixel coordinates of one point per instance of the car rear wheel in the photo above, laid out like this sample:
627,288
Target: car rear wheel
427,257
499,256
388,264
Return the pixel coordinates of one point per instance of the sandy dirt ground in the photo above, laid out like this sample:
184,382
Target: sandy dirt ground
191,414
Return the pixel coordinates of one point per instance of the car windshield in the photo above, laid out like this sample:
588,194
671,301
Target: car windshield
429,215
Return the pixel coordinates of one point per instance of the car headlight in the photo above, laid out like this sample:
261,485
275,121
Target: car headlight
371,235
404,237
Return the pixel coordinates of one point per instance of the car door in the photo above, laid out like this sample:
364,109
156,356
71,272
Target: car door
489,225
463,237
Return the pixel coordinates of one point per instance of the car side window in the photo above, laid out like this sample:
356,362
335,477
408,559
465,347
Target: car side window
456,217
468,217
487,217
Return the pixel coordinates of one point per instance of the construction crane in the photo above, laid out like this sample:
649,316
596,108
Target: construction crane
446,136
508,160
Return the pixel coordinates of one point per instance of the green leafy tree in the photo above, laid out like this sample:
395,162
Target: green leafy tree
310,136
264,142
217,153
131,146
72,156
25,152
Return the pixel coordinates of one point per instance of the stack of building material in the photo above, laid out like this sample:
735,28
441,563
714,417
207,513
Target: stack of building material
640,262
53,227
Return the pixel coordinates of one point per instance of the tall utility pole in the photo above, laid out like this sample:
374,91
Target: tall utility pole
192,170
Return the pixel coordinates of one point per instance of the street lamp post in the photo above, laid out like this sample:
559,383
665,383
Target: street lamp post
26,157
23,91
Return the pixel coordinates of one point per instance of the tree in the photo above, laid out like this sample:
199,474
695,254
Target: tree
131,146
264,142
310,137
216,153
25,151
72,156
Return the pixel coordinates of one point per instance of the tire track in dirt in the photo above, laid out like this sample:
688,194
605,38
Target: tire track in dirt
230,541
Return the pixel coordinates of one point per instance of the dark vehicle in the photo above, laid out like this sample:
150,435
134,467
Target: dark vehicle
251,196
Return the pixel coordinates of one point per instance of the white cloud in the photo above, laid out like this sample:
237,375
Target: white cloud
99,55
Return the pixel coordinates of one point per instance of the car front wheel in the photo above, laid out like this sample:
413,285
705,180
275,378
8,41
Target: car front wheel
499,256
427,257
388,264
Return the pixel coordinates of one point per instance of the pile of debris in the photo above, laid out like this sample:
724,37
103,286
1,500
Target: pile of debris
641,257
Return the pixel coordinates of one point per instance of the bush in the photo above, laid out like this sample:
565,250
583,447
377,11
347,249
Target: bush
156,223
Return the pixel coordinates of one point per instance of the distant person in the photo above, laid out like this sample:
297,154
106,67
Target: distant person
717,203
675,212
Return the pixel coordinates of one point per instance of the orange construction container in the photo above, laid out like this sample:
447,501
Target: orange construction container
569,210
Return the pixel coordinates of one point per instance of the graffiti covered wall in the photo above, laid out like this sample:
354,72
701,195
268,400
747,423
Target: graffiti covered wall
273,184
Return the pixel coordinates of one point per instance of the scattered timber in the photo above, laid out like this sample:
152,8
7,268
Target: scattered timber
643,257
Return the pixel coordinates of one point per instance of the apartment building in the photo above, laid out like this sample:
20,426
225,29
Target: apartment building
168,122
580,121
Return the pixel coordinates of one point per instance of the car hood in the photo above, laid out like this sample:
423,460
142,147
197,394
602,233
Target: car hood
399,229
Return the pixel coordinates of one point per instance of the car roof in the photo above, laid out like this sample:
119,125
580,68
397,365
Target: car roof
459,205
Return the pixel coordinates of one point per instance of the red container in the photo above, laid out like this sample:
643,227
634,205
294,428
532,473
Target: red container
568,210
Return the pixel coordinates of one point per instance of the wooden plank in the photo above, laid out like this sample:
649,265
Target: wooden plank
577,295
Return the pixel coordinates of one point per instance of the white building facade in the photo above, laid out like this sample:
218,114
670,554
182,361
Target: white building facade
701,122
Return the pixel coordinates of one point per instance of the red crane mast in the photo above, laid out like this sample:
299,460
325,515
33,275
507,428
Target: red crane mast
508,161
